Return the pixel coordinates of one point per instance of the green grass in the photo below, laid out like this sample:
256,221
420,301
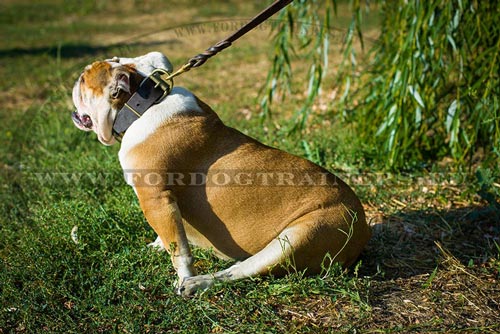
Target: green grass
432,265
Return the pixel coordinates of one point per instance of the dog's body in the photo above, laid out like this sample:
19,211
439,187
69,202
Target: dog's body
256,204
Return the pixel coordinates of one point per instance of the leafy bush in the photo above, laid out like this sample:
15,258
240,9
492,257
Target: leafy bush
431,88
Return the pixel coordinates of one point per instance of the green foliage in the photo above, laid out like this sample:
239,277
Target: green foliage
301,20
434,86
431,88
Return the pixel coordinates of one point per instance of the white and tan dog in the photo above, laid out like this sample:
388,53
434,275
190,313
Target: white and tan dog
200,182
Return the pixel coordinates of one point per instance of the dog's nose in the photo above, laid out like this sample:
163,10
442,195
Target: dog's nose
84,120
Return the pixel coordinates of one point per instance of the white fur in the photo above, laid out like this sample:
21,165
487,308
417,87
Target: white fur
179,101
184,268
145,64
157,244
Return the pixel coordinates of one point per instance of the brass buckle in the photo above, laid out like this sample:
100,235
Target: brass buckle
165,84
118,136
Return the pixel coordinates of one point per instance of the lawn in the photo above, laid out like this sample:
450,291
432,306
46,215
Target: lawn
73,238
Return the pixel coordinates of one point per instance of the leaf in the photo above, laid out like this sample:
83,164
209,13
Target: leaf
431,20
326,44
396,80
416,96
389,120
390,143
418,116
311,79
456,19
451,115
346,89
452,42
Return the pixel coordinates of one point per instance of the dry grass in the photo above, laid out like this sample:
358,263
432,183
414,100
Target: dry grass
424,283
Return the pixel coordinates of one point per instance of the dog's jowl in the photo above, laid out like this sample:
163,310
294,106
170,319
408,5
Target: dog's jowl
202,183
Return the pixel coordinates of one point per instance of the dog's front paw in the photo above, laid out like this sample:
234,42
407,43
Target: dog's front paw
190,285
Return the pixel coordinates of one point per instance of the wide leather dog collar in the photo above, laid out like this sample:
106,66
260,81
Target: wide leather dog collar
151,90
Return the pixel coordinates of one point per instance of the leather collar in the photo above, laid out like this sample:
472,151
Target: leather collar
151,90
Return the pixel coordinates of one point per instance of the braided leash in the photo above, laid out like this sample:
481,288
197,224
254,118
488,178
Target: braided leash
201,58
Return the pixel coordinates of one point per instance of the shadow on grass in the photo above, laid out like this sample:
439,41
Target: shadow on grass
434,270
406,244
77,50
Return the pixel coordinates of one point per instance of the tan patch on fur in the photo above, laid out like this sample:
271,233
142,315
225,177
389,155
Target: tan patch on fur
97,77
135,80
132,67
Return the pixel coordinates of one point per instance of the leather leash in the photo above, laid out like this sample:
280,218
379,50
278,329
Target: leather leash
160,82
201,58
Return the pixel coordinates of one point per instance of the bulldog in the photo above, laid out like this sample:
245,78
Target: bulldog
202,183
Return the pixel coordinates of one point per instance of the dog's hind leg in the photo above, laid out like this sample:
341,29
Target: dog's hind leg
157,244
274,253
301,246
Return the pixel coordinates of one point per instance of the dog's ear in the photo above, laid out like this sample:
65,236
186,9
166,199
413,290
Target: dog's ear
121,83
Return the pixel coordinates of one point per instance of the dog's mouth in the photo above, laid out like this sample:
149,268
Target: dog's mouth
83,122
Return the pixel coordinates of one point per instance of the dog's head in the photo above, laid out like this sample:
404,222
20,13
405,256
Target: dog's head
104,87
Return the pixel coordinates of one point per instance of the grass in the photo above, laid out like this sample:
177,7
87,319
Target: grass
432,265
